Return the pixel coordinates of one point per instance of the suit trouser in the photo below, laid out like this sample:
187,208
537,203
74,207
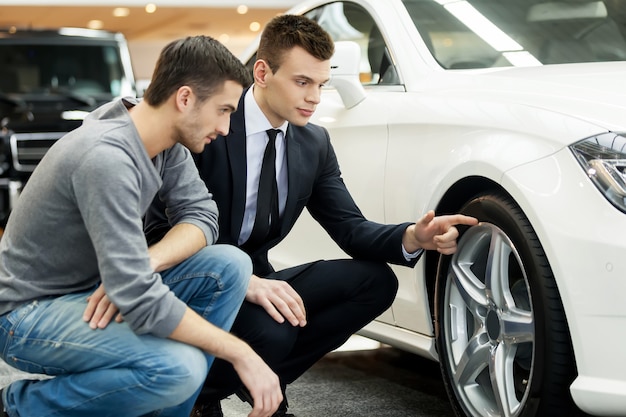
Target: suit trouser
340,297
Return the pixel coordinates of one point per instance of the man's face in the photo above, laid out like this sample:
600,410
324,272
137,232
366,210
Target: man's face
293,91
206,120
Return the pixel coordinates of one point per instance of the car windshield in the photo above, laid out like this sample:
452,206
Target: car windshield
36,68
494,33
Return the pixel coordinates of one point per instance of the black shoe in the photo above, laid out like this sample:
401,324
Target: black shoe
211,409
2,412
282,409
244,395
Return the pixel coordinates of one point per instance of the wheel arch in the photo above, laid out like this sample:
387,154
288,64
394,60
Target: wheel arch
450,203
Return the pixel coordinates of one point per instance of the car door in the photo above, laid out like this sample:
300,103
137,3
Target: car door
360,137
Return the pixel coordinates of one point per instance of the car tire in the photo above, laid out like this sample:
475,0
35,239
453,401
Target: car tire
501,332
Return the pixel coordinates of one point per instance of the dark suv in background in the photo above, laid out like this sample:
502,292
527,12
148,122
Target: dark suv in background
49,81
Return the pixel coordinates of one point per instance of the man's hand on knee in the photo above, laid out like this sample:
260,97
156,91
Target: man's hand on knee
278,298
100,310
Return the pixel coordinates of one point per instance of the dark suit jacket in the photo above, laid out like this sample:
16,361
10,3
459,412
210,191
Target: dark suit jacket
314,182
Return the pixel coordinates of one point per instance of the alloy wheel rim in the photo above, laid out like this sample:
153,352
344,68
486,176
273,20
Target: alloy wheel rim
489,324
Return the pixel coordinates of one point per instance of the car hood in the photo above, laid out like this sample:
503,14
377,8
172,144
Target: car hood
29,113
590,92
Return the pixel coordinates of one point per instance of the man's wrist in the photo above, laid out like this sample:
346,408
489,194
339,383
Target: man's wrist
409,243
409,256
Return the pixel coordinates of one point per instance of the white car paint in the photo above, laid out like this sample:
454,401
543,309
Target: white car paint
404,146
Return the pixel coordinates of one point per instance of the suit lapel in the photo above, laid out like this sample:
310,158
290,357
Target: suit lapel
236,148
293,178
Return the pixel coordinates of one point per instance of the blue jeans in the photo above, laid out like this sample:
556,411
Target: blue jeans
113,371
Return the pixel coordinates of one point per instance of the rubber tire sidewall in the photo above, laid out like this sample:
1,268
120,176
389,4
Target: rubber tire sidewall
554,367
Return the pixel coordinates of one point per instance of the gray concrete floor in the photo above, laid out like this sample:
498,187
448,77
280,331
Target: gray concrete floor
373,380
362,378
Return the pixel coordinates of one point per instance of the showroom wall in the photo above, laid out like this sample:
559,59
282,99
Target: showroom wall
144,53
149,27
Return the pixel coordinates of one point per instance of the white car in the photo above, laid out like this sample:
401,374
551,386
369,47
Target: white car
513,111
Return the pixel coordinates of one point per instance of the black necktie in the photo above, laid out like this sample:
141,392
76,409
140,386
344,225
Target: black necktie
266,221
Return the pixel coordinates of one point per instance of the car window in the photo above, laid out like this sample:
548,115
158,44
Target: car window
32,68
346,21
493,33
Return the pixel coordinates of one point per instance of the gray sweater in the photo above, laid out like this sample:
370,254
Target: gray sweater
78,221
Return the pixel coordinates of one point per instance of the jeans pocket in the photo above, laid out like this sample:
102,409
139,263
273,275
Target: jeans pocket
11,344
32,367
8,323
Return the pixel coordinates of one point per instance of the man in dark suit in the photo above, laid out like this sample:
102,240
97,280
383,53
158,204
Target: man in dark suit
295,316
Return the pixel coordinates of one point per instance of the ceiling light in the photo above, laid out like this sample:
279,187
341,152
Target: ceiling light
255,26
151,8
243,9
95,24
121,11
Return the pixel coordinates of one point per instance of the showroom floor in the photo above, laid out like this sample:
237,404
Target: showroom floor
364,379
360,379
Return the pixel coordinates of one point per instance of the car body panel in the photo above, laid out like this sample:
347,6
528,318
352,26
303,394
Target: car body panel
590,231
406,148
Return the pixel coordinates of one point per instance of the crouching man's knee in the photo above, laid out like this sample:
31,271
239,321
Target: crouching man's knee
233,266
176,375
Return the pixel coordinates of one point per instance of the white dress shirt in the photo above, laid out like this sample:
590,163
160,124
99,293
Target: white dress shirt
256,141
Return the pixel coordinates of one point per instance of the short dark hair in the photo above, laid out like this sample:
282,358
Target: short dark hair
200,62
284,32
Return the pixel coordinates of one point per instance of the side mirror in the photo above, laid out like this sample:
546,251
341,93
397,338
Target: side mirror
345,71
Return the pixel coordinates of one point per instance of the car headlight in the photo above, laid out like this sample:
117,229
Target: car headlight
604,159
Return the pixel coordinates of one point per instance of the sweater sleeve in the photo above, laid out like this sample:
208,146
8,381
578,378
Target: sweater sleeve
183,195
108,188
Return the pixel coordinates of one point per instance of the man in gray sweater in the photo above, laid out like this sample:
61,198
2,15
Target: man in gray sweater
78,227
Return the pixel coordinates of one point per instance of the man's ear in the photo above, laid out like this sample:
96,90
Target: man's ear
260,72
184,97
